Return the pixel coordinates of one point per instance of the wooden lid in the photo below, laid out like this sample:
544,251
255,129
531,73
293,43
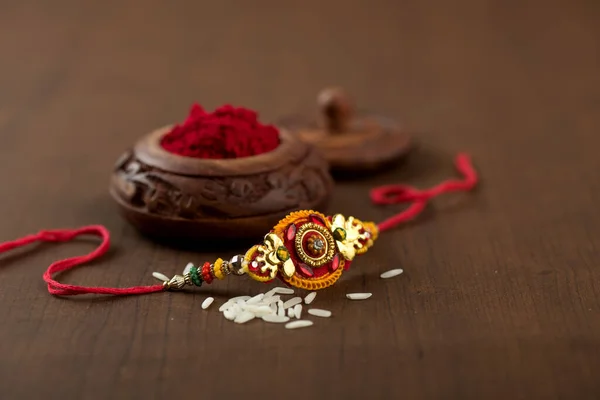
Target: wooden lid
350,141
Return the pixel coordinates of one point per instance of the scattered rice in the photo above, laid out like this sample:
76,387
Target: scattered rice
319,313
275,318
358,296
292,302
298,310
298,324
206,303
270,307
391,273
244,317
160,277
310,297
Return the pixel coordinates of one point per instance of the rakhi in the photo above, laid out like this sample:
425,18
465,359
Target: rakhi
306,249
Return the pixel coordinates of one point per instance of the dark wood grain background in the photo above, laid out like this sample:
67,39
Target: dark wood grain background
501,294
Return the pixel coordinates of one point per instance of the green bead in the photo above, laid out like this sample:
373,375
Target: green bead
283,254
339,234
195,277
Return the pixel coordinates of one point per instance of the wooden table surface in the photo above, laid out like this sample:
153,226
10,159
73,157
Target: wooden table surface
500,298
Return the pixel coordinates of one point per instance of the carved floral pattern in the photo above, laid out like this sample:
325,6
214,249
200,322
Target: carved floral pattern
162,193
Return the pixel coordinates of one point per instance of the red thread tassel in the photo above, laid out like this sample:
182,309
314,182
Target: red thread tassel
394,194
65,235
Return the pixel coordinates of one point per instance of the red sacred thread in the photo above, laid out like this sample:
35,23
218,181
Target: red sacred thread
228,132
394,194
391,194
65,235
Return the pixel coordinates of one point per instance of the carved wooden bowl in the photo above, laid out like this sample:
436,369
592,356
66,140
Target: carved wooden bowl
171,196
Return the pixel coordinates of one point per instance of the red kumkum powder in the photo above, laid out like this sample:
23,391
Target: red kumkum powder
227,132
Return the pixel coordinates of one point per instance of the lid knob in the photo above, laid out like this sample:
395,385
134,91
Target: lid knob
336,109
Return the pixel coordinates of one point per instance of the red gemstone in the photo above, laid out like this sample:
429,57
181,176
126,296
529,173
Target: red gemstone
316,219
335,263
306,270
291,232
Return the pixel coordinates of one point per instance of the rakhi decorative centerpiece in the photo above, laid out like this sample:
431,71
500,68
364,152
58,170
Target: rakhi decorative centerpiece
306,249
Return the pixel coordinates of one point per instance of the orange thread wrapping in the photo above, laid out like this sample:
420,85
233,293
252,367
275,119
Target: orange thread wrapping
295,216
317,283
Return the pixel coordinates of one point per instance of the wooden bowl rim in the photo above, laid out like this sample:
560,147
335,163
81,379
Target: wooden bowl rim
149,151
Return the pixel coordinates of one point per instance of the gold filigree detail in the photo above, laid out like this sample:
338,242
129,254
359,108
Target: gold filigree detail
275,256
246,266
323,233
372,235
351,242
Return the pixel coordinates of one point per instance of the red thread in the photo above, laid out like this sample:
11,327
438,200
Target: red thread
393,194
65,235
228,132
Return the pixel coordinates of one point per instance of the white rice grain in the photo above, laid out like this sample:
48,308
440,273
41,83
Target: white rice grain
244,317
255,299
258,310
160,277
391,273
298,324
358,296
310,297
292,302
290,312
283,290
206,303
236,309
234,299
229,314
225,305
275,318
298,310
271,299
319,313
188,268
280,309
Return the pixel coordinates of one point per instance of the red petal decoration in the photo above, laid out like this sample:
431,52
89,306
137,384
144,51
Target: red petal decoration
316,219
291,232
335,263
306,270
